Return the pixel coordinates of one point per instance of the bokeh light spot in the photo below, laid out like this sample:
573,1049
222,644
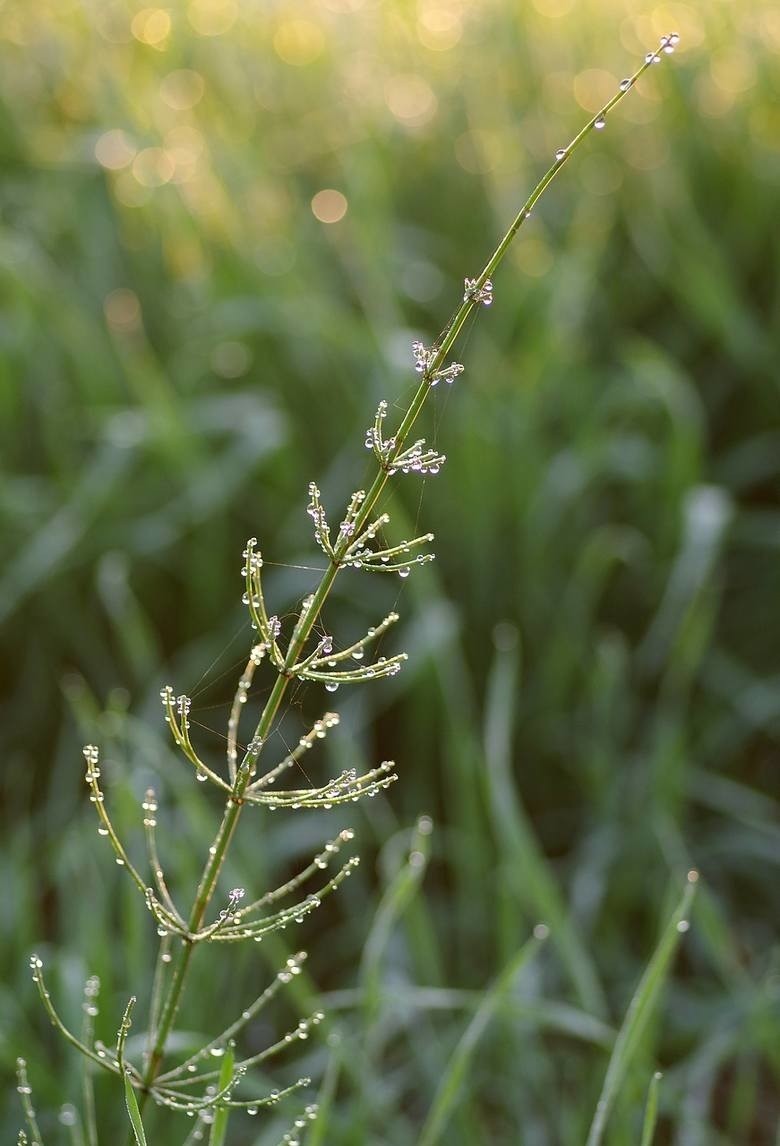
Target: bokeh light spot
231,359
534,257
713,101
185,145
439,28
593,87
122,309
329,206
410,99
683,19
182,89
479,151
733,70
153,167
115,150
110,22
421,280
299,42
212,17
151,26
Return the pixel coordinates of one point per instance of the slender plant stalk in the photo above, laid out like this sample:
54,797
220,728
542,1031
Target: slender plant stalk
478,291
353,548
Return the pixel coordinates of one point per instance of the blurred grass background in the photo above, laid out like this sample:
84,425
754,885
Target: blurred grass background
221,225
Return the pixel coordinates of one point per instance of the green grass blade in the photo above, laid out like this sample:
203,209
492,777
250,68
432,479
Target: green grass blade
222,1113
399,893
639,1010
651,1111
451,1086
134,1113
528,872
326,1096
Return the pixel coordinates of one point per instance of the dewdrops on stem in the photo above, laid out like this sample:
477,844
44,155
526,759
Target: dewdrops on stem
423,356
449,373
474,292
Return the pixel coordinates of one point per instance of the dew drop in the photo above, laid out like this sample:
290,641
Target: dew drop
68,1115
560,154
625,85
331,686
403,573
600,122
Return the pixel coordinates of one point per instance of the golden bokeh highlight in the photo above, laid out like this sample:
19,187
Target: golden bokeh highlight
182,89
153,167
212,17
533,256
299,42
593,87
185,147
410,99
478,151
151,26
115,150
681,18
438,27
329,206
733,70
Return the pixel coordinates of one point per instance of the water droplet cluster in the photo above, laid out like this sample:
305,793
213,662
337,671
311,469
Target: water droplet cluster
474,291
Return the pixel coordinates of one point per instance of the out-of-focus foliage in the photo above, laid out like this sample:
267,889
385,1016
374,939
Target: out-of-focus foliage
221,225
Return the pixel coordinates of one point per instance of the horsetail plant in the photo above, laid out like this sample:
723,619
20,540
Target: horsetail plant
304,654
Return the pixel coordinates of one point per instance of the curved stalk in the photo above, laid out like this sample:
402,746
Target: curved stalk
478,291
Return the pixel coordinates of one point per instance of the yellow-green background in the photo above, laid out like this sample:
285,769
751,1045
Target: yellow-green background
185,344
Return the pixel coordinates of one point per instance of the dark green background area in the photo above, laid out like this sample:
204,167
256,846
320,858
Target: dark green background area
592,701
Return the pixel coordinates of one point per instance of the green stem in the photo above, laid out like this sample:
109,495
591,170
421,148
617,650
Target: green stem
234,804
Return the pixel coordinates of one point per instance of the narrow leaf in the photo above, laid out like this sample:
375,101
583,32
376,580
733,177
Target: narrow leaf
651,1111
134,1113
451,1085
639,1010
222,1113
